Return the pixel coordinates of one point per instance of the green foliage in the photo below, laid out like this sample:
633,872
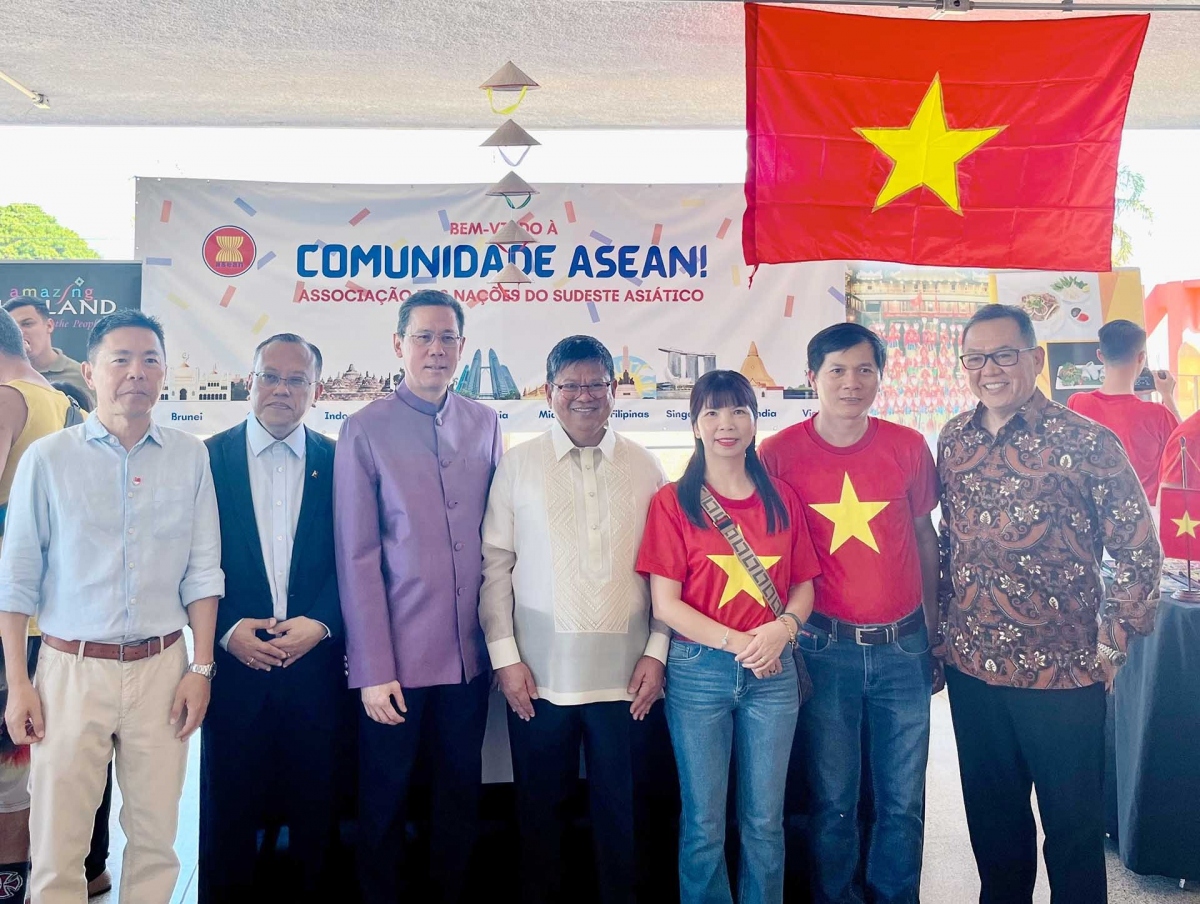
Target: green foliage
1130,188
29,233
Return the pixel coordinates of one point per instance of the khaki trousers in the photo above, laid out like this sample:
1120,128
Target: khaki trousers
92,706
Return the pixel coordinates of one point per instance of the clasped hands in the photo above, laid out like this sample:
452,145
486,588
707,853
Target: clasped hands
292,638
759,649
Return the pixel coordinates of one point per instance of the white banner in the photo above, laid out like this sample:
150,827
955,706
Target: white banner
654,271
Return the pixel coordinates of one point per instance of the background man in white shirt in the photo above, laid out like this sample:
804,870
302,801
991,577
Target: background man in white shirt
270,740
568,623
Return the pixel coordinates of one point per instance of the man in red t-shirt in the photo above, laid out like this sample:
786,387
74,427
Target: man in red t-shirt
1143,427
868,487
1171,469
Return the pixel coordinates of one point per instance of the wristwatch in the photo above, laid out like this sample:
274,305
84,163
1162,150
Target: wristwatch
1112,654
205,671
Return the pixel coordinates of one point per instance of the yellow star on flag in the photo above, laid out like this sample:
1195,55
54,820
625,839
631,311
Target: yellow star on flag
737,578
927,151
1186,525
851,517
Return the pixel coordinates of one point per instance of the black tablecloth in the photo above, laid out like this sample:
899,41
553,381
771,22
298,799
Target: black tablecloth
1157,746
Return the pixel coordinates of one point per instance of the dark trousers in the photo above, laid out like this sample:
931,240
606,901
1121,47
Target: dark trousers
883,689
278,769
97,858
545,757
1012,740
453,717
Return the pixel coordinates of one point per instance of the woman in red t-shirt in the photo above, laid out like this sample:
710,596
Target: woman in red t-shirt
731,679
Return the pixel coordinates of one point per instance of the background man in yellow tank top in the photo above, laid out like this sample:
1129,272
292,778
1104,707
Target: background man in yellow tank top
37,326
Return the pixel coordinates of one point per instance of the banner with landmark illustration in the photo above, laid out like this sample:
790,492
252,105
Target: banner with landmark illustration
654,271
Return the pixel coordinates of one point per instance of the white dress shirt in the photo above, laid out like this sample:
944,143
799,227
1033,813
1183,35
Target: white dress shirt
276,490
560,540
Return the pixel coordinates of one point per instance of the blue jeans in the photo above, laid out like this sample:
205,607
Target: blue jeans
714,705
884,688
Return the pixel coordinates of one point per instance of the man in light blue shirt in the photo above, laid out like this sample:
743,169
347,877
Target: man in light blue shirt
113,542
271,737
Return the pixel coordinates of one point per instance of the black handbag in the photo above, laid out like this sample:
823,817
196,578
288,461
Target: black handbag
754,566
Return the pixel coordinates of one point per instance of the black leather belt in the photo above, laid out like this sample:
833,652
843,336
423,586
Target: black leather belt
868,635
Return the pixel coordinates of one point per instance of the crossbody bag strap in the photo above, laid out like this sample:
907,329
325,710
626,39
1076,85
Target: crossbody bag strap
741,549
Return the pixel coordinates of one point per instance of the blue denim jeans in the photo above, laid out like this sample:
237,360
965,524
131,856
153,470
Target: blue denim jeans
715,706
884,688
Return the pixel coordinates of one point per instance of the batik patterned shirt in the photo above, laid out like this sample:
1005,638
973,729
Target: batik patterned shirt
1026,517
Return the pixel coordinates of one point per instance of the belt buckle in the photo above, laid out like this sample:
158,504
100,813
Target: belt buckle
123,646
891,633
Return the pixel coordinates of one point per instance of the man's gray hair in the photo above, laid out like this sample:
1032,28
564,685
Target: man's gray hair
291,339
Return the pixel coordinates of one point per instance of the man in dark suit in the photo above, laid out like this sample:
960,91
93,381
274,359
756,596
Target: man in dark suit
269,740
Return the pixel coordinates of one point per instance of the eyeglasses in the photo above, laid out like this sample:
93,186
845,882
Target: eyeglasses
425,340
572,390
1005,357
294,384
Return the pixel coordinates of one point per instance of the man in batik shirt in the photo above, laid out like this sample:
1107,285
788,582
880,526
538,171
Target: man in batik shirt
1032,495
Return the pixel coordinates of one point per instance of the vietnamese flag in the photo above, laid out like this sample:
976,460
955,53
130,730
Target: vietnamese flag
975,143
1179,519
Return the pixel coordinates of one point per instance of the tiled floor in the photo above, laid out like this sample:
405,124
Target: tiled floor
949,874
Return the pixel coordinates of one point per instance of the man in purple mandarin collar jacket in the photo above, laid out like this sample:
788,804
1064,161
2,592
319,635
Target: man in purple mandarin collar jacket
411,479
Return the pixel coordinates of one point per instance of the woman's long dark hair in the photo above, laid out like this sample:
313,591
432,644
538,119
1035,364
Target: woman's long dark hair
726,389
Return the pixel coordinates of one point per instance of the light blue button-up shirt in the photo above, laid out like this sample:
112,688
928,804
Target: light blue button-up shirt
111,546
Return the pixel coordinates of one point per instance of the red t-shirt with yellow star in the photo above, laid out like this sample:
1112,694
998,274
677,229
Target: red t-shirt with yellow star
861,501
714,580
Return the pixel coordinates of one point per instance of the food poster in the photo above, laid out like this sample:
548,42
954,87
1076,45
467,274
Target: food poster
1068,310
1062,306
1074,367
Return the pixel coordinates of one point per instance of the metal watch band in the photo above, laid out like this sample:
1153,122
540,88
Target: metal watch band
205,671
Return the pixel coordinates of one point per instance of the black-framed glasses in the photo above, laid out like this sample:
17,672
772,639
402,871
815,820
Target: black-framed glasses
1005,357
294,384
425,340
572,390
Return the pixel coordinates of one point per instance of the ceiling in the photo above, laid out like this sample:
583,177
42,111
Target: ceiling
418,63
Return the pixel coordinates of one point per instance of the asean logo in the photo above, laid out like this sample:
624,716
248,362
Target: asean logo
229,251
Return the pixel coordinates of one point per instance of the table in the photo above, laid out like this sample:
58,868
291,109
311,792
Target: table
1157,745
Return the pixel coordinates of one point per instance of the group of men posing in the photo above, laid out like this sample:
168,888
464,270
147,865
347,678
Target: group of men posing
438,566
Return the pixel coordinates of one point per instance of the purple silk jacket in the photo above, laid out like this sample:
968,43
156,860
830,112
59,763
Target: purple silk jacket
410,484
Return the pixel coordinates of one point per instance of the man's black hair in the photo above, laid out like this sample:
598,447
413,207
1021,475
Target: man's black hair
838,338
119,320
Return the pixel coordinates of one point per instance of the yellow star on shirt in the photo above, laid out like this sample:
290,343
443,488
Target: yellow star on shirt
850,516
737,578
927,151
1186,525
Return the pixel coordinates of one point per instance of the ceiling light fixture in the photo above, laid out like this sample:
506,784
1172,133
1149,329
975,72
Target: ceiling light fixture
39,100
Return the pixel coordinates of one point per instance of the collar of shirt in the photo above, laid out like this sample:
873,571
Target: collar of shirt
259,439
93,429
60,362
1028,415
414,401
563,443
